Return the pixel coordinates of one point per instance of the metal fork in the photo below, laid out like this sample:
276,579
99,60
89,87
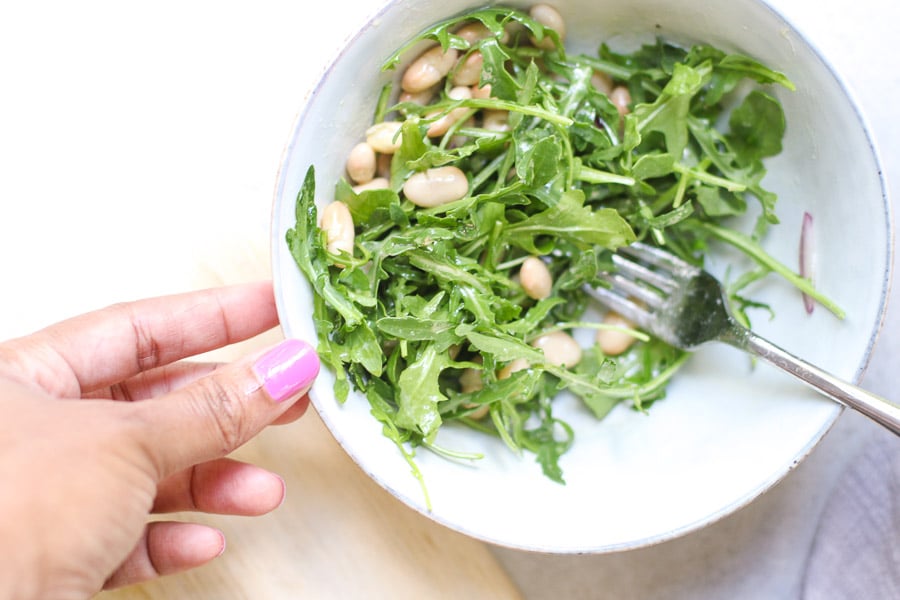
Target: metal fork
685,307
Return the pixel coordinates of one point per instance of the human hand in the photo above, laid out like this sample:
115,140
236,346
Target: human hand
81,472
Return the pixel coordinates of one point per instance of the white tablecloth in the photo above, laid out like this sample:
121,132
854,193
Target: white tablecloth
138,150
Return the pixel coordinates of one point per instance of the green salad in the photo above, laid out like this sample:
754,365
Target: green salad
498,176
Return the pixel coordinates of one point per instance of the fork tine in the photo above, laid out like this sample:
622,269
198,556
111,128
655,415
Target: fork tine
631,289
629,309
658,258
642,283
641,273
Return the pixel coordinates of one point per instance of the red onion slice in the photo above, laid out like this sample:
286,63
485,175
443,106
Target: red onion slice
807,257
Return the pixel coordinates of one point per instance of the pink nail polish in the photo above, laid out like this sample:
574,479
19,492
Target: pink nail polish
288,369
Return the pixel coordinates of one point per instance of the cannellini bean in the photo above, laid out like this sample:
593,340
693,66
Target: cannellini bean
519,364
483,92
435,187
361,163
384,137
612,342
468,71
470,381
481,413
548,16
475,32
440,126
337,223
602,82
559,348
495,120
379,183
422,98
535,278
460,92
621,98
428,69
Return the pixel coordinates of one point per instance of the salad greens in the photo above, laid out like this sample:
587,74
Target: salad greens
430,293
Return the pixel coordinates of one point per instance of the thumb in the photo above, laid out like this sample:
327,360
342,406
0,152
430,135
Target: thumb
216,414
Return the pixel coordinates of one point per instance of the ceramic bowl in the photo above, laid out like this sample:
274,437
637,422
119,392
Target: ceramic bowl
726,431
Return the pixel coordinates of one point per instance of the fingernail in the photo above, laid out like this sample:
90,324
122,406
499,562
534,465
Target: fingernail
288,369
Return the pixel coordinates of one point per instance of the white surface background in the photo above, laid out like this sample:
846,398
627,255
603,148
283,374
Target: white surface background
139,145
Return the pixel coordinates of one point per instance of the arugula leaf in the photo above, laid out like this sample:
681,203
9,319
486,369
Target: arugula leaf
752,68
369,206
668,114
652,165
364,349
571,220
441,332
494,73
538,154
548,450
504,348
717,202
419,393
757,127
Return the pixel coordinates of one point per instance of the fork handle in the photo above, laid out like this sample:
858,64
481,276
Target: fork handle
880,410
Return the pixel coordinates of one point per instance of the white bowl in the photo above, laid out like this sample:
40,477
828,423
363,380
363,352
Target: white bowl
726,432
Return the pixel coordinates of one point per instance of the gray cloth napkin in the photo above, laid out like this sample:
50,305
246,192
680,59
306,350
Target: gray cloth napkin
856,549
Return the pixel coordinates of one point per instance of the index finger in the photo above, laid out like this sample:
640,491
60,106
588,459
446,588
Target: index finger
109,345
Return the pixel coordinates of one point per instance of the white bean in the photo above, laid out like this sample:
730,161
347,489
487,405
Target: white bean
495,120
475,32
379,183
535,278
470,381
428,69
621,98
468,71
460,92
602,82
519,364
337,223
361,163
611,341
559,348
483,92
422,98
548,16
480,413
384,137
441,125
435,187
